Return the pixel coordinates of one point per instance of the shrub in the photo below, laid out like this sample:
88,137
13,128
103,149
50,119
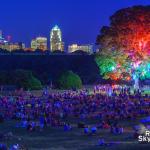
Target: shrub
34,84
69,80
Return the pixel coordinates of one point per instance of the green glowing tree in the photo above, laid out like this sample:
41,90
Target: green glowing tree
125,45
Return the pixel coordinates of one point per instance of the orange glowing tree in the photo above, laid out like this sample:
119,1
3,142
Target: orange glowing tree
125,45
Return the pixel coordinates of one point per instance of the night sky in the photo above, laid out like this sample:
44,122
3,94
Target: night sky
79,20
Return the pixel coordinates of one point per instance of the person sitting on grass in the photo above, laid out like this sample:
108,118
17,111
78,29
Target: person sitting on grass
94,130
33,124
15,147
42,121
112,129
24,123
67,127
116,129
101,142
120,130
86,130
29,127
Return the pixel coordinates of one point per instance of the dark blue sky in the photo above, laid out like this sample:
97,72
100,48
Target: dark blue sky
80,20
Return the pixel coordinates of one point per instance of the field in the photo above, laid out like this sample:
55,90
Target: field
58,139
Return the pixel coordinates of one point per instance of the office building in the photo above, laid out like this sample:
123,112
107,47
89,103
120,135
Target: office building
39,43
33,44
56,39
21,45
75,47
1,34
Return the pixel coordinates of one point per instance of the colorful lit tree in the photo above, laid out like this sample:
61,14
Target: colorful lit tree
125,45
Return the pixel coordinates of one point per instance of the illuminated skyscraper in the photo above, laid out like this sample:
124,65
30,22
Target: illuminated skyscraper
33,44
3,42
0,34
39,43
1,38
21,45
56,39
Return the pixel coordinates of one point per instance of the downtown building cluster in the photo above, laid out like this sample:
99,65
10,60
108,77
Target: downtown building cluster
56,43
8,45
41,43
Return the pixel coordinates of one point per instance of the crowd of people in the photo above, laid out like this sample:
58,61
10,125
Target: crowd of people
56,109
51,109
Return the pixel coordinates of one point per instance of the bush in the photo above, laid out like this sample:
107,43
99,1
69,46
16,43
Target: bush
34,84
70,80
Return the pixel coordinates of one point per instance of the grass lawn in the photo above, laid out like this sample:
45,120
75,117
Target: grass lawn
147,92
58,139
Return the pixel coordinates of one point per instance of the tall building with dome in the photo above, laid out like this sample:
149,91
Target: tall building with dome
56,39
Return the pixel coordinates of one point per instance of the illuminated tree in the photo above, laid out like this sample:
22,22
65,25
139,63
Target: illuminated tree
125,45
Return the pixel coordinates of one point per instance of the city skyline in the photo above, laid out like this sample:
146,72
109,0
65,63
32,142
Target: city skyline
80,22
34,44
55,41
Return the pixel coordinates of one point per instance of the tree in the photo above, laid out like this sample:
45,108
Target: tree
25,79
34,84
125,45
58,52
80,52
21,79
70,80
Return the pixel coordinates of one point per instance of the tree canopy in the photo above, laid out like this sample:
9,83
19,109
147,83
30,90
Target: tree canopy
125,45
70,80
21,79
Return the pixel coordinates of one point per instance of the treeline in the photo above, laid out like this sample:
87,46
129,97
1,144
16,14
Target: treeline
48,68
39,51
24,79
20,79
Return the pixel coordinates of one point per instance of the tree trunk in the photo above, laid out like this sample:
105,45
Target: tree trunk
136,83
